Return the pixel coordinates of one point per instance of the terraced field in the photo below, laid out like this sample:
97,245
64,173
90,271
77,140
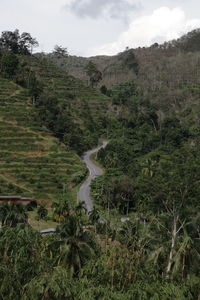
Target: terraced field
32,163
82,100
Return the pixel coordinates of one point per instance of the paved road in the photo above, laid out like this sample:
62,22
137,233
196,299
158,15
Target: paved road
94,171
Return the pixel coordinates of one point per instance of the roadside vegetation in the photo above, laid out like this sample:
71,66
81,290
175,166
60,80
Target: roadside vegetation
141,241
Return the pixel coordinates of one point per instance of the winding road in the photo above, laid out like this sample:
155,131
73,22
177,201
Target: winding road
94,171
84,191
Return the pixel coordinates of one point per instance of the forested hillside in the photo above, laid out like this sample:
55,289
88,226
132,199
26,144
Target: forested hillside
114,69
142,239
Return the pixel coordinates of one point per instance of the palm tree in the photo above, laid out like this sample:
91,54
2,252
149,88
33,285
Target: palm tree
50,285
149,167
61,208
12,214
187,256
80,209
76,245
94,217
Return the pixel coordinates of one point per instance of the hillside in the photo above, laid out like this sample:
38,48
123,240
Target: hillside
115,69
32,162
129,64
167,74
156,82
141,240
74,112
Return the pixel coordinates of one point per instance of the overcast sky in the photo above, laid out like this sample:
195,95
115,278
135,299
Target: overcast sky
92,27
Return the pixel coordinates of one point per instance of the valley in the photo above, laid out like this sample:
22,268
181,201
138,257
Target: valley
127,226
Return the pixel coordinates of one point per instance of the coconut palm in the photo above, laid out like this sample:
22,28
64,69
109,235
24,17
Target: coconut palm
80,209
12,214
61,208
94,216
50,285
75,246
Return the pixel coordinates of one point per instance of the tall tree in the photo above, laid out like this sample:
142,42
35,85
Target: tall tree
76,245
93,73
60,51
16,43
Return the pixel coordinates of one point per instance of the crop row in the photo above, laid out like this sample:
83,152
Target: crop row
12,165
35,160
22,147
21,134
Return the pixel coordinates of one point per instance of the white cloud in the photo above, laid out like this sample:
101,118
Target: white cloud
119,9
163,25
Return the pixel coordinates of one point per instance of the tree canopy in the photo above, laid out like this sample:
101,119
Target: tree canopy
93,73
16,43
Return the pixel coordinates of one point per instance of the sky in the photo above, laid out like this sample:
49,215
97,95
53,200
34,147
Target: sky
100,27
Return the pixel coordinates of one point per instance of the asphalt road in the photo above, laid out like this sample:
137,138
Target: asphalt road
94,171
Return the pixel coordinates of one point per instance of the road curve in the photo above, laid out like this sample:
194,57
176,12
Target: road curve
94,171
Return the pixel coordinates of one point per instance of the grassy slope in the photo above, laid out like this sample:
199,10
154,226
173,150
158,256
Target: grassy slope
83,101
32,163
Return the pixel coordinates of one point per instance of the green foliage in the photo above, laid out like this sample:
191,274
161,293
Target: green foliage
9,64
16,43
60,51
130,60
114,192
54,285
123,92
42,212
104,90
76,245
93,73
34,86
12,214
151,175
189,41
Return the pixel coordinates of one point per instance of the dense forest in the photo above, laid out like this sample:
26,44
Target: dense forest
142,239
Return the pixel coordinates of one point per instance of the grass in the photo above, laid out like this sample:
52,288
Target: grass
41,224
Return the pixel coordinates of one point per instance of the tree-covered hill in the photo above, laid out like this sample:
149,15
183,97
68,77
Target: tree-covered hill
114,69
168,69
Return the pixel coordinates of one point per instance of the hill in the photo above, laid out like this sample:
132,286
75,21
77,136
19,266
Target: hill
115,69
74,112
167,75
141,241
126,65
32,162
